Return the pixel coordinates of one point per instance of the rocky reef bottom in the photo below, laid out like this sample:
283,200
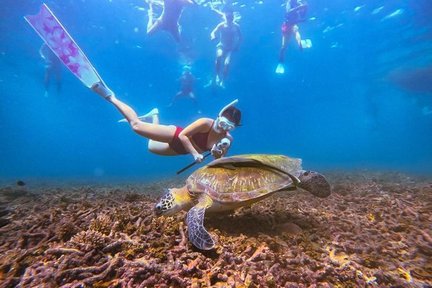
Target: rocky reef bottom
374,230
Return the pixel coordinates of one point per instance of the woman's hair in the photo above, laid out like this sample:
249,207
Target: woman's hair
233,114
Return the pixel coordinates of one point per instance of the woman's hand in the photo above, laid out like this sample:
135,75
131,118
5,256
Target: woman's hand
220,148
198,158
217,152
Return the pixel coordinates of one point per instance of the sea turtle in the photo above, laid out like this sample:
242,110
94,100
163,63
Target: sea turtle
232,182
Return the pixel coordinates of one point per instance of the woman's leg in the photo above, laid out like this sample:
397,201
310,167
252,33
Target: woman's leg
152,24
175,32
227,63
283,47
160,148
153,131
150,17
157,147
297,36
47,77
218,63
154,27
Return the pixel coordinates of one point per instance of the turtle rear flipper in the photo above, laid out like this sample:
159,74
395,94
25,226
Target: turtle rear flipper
198,235
314,183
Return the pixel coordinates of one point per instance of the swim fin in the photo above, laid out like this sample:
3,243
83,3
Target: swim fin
306,43
64,47
145,118
280,69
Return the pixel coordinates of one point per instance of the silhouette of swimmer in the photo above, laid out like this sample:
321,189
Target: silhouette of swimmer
169,19
52,68
187,81
230,38
222,7
295,13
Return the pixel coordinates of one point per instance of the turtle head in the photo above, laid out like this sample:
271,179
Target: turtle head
173,201
314,183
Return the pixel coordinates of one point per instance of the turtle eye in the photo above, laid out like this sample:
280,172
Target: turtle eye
306,173
158,209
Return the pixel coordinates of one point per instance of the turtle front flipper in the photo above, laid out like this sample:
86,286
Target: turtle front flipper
198,235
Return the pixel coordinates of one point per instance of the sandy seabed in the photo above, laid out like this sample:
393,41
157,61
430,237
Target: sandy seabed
375,230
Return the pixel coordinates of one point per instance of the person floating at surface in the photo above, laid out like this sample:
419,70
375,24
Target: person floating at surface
204,134
225,6
295,12
220,7
52,68
230,38
169,19
187,81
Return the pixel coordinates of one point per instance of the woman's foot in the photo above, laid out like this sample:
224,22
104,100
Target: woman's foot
150,117
153,112
102,90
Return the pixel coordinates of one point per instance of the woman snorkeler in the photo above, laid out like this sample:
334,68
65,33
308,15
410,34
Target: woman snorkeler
202,135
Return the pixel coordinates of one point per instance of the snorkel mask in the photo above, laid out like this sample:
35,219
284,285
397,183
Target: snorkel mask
222,123
225,124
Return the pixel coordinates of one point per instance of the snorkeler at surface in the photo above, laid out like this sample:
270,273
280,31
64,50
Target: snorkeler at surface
225,6
220,7
187,81
295,12
230,37
52,68
169,19
202,135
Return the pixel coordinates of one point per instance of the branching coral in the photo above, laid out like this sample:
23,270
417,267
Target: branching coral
374,230
89,240
102,224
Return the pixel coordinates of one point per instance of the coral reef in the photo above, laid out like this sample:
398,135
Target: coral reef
374,230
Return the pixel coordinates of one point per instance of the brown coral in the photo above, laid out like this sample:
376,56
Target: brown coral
102,224
373,231
89,240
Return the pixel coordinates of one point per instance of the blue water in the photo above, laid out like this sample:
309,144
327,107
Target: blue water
336,106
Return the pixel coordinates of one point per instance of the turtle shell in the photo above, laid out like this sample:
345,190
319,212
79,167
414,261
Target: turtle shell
244,177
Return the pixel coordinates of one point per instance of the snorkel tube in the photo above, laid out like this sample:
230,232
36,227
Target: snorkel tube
216,123
228,106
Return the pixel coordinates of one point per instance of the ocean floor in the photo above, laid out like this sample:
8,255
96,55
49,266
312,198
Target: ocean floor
375,230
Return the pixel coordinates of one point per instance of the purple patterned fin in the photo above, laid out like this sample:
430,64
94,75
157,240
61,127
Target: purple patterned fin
61,43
